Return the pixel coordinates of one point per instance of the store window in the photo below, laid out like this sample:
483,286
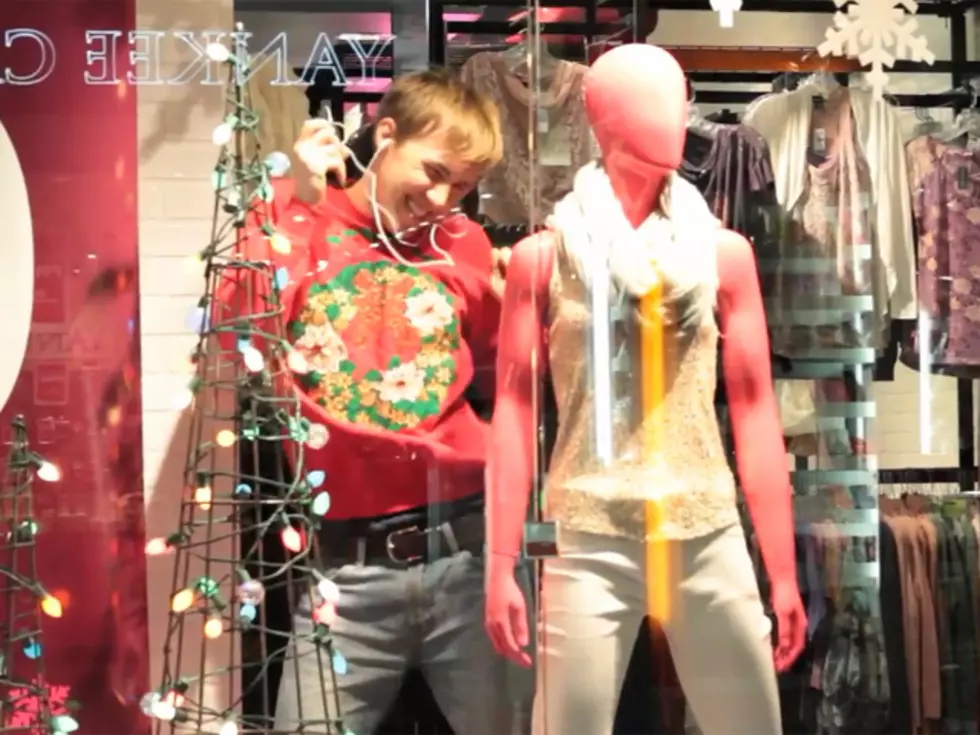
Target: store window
756,536
638,350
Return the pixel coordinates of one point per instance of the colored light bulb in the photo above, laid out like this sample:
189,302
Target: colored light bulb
280,243
182,601
203,496
292,539
51,606
225,438
148,701
325,614
48,472
157,547
251,592
218,52
277,163
328,591
213,628
221,135
63,724
254,362
321,504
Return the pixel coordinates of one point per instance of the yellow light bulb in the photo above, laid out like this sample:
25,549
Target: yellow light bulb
203,496
182,601
280,244
51,606
213,628
225,438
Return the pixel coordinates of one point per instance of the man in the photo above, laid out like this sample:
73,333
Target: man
393,304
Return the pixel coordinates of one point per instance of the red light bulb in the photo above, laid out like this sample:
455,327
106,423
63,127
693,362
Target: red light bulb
292,539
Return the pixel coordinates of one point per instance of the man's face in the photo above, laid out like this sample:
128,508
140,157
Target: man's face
420,179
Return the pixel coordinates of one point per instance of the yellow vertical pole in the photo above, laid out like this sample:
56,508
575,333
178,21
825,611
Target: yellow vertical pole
652,391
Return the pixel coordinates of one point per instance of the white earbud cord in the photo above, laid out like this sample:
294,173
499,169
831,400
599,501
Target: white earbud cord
377,211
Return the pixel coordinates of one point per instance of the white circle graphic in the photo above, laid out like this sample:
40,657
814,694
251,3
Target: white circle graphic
16,267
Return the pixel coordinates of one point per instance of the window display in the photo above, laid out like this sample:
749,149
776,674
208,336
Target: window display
563,306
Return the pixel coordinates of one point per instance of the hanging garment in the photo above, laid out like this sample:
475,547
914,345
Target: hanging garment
892,625
818,273
565,142
822,252
785,121
730,166
945,184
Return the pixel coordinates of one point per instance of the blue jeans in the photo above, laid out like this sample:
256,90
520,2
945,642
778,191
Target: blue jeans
389,620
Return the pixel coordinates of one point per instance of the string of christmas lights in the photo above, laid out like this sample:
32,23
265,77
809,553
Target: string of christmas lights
26,701
232,516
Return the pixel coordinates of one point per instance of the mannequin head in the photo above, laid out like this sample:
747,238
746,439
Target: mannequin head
636,101
433,140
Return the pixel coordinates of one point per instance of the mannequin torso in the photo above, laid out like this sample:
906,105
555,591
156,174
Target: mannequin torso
642,145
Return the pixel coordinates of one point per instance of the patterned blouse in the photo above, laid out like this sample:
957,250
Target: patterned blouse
945,185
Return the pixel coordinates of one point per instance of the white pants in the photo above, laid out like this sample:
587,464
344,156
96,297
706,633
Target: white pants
593,600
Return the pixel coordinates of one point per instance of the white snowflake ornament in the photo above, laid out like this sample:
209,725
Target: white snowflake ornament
878,32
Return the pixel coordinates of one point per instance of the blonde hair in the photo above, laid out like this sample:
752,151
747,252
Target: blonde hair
435,100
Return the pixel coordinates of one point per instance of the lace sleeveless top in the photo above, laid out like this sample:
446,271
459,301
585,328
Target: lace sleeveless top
690,478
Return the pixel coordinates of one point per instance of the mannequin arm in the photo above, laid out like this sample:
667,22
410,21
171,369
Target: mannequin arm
759,446
521,358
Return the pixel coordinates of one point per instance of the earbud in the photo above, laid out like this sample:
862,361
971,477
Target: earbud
385,142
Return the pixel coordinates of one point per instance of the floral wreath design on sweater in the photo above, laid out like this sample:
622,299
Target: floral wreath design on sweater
398,308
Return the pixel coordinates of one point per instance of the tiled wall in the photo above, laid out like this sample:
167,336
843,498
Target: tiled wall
175,206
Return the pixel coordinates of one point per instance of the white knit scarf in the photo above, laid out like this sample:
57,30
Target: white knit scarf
678,247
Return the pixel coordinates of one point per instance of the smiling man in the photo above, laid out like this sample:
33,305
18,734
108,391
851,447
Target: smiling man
393,303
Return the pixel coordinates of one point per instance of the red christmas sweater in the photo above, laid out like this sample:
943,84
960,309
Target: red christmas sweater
390,350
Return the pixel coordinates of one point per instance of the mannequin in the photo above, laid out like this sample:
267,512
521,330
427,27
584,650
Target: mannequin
594,594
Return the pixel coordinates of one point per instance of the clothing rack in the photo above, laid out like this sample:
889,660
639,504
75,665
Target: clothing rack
735,66
746,65
590,29
928,476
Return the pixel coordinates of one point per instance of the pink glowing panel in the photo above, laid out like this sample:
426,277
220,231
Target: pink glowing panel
461,17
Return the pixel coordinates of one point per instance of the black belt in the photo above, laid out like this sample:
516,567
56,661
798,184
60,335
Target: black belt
405,546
